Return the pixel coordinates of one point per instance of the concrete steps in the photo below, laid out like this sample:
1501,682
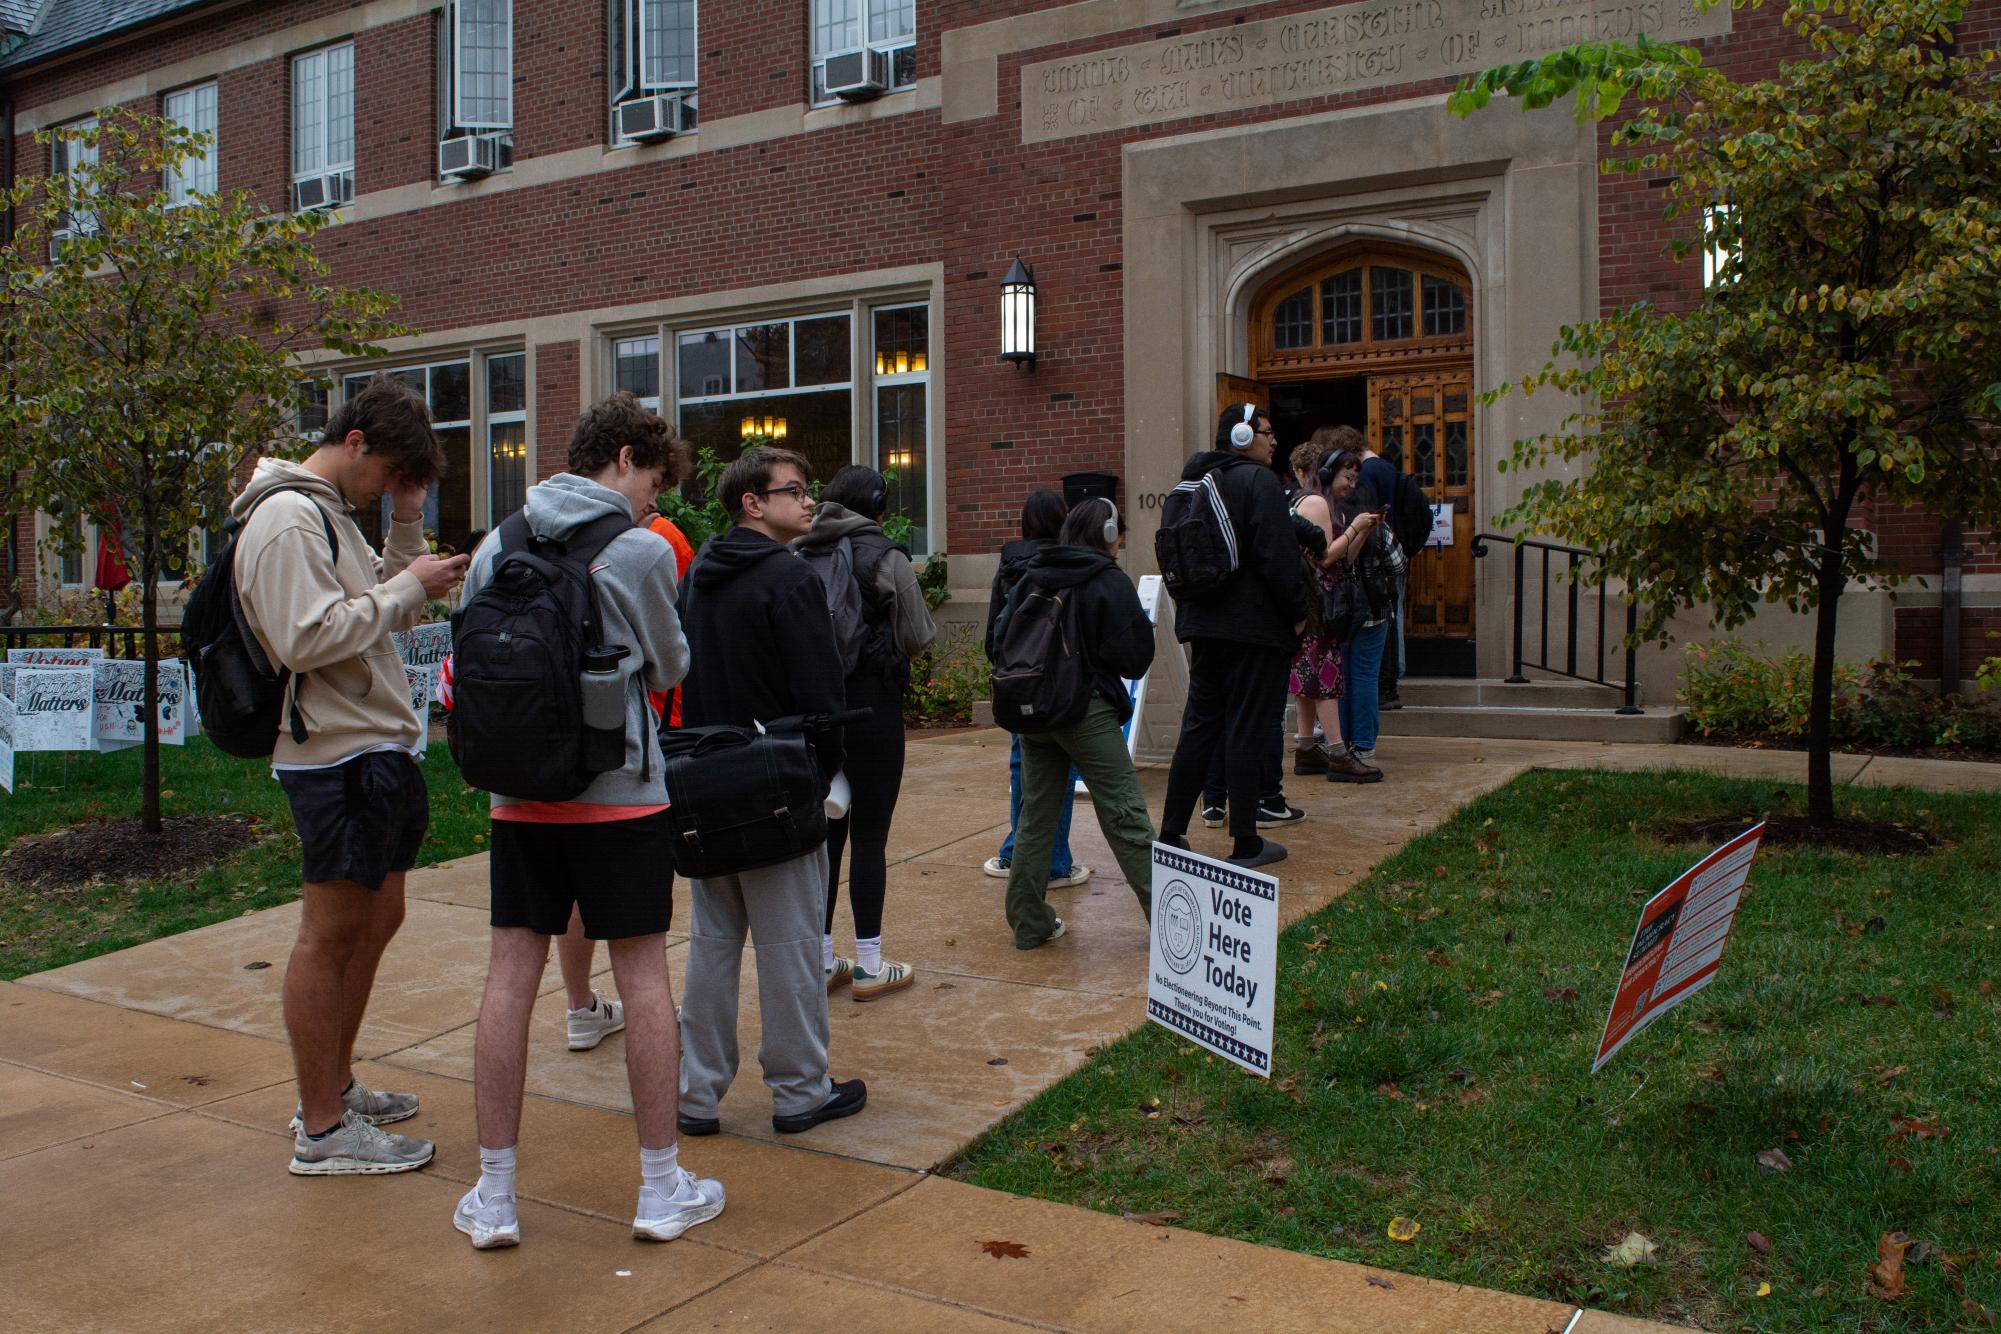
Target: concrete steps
1535,711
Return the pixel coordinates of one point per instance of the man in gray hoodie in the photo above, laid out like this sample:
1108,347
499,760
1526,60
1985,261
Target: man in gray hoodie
605,852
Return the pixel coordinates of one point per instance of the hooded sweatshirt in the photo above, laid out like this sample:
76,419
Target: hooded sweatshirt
634,579
329,624
1117,636
761,640
1262,600
1014,559
892,598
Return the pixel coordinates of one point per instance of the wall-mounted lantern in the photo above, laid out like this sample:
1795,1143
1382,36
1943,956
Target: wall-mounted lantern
771,428
1018,315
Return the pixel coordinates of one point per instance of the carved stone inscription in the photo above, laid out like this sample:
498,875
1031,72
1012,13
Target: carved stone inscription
1327,51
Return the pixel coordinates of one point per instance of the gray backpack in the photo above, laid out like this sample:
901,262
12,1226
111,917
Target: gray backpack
835,564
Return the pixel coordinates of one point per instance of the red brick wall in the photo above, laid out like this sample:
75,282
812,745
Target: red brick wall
1919,640
558,403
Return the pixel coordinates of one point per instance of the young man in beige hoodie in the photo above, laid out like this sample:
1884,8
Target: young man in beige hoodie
346,754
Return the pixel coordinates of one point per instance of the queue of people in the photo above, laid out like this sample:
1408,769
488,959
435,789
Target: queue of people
596,653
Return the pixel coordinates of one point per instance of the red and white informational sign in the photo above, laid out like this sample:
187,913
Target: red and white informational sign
1678,945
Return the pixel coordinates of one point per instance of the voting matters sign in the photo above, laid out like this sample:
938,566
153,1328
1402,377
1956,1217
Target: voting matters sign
1213,961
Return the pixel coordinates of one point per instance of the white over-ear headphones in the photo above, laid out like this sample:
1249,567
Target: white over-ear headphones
1111,523
1243,432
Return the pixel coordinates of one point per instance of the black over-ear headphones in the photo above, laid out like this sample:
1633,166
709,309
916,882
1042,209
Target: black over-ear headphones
1243,432
878,501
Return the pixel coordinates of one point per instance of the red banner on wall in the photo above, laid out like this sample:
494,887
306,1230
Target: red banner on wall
1678,945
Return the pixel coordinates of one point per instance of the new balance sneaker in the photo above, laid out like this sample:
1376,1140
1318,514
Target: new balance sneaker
357,1148
998,867
1078,875
592,1026
665,1217
1278,812
378,1109
842,973
491,1224
892,977
1213,815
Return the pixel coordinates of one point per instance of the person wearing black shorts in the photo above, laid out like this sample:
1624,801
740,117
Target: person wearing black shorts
606,854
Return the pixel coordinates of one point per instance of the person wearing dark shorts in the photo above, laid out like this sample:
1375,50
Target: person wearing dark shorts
605,855
323,604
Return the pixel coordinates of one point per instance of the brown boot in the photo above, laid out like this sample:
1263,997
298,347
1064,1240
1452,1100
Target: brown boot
1309,756
1345,768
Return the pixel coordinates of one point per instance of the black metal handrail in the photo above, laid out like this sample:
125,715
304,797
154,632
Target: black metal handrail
1568,573
91,636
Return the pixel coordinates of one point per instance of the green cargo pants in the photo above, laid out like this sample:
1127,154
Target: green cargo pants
1097,747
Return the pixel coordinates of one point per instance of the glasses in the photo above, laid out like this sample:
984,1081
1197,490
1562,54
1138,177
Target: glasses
792,489
1267,431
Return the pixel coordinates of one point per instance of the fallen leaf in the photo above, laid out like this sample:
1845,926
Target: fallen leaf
1404,1229
1378,1281
1902,1126
255,964
998,1060
1944,998
1159,1219
1900,1164
1890,1074
1886,1276
1467,1097
1981,1315
1634,1249
1559,993
1764,1289
1438,872
1438,958
1005,1250
199,1081
1873,927
1884,1002
1390,1091
1775,1160
1756,1241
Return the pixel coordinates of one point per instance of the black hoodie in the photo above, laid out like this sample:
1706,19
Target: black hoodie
1014,559
760,642
1117,636
1261,602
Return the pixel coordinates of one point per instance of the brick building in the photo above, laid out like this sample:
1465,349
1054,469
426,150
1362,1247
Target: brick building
802,211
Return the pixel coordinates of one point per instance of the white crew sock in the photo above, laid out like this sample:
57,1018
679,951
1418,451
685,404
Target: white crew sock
496,1174
827,953
868,955
659,1170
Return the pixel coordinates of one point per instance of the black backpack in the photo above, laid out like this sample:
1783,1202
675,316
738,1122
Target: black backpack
517,722
239,693
1410,515
1197,543
1041,681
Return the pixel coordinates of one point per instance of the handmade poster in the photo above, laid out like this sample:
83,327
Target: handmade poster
1213,962
426,645
121,702
6,743
423,688
55,708
1441,525
193,725
54,657
1149,601
1678,945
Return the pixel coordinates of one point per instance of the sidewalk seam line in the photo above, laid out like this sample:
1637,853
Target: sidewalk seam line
931,1297
126,1125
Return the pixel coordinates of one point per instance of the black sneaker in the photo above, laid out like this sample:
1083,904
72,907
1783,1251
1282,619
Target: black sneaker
1213,816
850,1096
698,1125
1264,856
1176,841
1277,812
1389,703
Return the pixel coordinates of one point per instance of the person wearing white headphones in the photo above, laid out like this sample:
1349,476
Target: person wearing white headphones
1116,641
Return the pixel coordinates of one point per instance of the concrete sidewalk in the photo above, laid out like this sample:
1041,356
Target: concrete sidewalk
143,1099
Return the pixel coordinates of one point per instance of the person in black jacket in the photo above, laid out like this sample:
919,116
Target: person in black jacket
1042,518
1116,641
761,648
1241,638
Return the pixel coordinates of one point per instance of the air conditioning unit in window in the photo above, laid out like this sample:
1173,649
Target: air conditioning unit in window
311,192
648,120
858,75
469,157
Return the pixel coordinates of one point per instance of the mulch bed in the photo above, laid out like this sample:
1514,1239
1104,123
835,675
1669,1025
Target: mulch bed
1863,836
122,850
1773,741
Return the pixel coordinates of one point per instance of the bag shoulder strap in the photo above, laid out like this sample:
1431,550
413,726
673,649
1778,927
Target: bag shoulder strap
294,718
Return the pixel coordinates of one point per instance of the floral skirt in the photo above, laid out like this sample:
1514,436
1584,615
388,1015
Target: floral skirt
1316,672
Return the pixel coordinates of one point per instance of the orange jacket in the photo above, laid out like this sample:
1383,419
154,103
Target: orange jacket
684,556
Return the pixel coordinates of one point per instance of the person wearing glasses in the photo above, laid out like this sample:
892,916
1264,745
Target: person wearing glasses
762,648
1241,639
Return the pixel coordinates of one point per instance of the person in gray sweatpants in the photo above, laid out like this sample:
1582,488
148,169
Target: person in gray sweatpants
761,645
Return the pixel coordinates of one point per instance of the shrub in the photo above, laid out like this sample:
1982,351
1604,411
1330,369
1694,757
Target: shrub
947,680
1730,691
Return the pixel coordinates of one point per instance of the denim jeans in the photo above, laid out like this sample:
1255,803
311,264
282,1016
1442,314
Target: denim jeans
1061,863
1361,660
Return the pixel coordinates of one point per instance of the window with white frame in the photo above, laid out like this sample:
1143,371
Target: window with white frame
476,72
194,109
323,127
506,435
844,26
472,398
1720,244
652,52
67,157
902,411
635,366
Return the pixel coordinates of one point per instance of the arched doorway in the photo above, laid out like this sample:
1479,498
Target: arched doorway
1380,338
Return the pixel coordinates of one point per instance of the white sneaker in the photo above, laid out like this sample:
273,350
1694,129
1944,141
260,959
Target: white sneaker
592,1026
378,1109
356,1148
663,1218
997,867
491,1224
1079,873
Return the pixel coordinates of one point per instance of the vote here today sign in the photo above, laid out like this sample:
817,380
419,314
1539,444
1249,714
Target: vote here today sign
1213,961
1678,945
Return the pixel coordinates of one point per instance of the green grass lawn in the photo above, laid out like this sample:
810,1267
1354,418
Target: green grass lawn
1435,1032
42,928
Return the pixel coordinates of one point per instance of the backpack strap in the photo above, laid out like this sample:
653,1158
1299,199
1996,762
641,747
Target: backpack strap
296,720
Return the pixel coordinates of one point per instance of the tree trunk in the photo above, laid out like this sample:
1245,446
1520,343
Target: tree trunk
1820,714
149,800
